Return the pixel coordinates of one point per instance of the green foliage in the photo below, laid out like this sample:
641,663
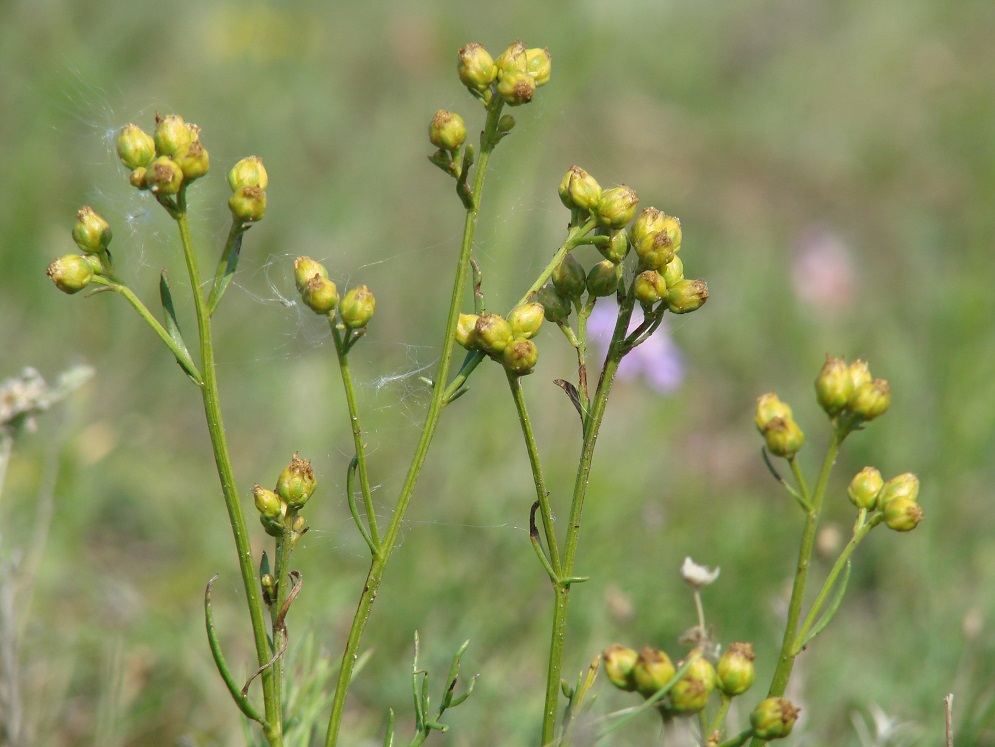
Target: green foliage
752,132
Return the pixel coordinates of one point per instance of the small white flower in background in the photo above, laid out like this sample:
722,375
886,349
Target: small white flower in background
658,360
25,396
698,575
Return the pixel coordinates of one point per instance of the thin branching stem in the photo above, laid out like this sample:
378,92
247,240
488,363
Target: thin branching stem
439,397
215,426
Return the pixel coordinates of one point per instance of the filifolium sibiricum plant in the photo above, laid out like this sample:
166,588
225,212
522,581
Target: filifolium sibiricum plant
641,268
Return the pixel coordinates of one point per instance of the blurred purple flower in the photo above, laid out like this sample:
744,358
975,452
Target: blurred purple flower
822,271
658,360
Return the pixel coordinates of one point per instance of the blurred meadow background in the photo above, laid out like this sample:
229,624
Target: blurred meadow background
833,165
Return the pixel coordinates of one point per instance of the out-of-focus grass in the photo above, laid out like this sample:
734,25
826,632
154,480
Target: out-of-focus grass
866,125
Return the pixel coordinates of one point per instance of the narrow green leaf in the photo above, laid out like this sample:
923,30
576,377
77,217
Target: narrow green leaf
226,268
831,610
173,329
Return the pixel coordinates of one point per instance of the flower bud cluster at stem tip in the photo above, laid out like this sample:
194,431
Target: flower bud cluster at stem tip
514,75
776,424
508,341
849,391
163,162
321,295
278,507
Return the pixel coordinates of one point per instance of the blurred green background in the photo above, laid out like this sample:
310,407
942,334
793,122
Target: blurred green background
833,165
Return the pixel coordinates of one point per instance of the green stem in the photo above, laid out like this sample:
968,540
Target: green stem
786,659
215,426
834,574
342,351
592,425
439,392
515,382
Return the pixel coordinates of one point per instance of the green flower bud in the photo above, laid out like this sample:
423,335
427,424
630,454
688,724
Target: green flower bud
96,262
306,268
557,308
512,60
686,296
538,64
769,406
357,307
135,147
296,483
91,232
648,223
268,585
493,333
864,488
320,295
652,671
602,280
267,502
475,67
163,176
616,248
616,207
773,718
192,160
905,486
272,524
735,671
248,204
249,172
833,386
506,123
569,278
579,190
784,437
903,514
516,88
690,693
466,331
171,134
673,272
656,251
526,319
870,400
520,356
649,287
138,178
446,130
619,662
71,273
860,374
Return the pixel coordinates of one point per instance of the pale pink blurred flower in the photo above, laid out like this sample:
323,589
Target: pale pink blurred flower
658,361
822,272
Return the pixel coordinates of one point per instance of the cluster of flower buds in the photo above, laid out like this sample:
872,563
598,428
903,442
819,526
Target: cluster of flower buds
295,485
778,427
514,75
896,500
166,160
508,341
850,390
653,235
248,181
92,234
320,295
650,670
